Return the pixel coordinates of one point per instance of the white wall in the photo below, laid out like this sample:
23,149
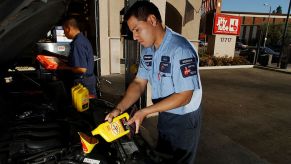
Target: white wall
110,43
224,45
191,29
104,39
114,34
161,4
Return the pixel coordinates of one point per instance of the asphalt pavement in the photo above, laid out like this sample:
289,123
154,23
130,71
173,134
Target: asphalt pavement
247,117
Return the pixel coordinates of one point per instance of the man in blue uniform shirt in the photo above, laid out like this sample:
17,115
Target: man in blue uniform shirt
80,59
170,63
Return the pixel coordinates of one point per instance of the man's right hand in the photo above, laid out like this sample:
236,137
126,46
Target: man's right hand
115,112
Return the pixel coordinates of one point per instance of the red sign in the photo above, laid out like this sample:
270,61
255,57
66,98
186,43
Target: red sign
227,24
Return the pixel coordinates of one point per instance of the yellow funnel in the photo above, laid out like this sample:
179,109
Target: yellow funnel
88,143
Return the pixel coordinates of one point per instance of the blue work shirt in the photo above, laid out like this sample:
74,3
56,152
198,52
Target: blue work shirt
172,68
81,54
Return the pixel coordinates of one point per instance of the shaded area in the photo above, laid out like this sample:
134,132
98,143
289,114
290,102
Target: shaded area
189,13
173,18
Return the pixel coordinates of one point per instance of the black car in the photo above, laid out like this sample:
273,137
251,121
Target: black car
267,50
250,52
240,46
202,43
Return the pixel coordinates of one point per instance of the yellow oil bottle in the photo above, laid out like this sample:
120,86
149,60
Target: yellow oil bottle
74,91
114,130
82,99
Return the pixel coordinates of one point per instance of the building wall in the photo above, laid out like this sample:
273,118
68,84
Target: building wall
104,39
260,20
161,4
190,19
110,41
115,46
248,21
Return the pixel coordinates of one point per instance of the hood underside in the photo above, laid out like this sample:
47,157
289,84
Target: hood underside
23,22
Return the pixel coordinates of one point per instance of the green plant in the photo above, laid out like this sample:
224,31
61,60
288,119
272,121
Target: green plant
206,60
239,60
202,51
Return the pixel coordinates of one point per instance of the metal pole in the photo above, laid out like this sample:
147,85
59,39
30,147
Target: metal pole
284,64
97,37
258,47
98,56
266,35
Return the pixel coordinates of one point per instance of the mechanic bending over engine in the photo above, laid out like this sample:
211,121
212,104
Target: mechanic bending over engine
80,59
170,63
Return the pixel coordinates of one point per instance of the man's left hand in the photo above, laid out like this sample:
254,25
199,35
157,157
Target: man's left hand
137,119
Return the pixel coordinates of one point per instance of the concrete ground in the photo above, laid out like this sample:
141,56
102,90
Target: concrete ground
246,116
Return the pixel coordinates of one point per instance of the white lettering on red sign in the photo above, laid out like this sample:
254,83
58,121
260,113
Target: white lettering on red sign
233,25
222,24
227,24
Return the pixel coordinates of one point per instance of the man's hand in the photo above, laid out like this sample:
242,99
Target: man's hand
137,119
115,112
77,70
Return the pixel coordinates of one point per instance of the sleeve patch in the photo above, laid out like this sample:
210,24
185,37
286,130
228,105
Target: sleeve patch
187,61
188,70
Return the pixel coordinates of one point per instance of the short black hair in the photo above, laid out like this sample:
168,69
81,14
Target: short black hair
141,10
73,21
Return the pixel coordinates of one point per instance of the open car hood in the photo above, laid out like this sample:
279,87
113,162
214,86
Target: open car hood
23,22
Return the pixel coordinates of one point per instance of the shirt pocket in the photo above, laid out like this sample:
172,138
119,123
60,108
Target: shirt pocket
166,84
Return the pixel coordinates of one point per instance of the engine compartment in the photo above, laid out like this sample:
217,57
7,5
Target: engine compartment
39,125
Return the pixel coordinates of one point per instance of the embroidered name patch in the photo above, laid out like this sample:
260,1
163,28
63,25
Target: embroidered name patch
165,67
148,60
165,59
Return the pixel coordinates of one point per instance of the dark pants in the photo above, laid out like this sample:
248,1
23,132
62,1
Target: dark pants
89,83
179,136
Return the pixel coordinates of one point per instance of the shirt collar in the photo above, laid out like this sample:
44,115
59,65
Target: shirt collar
166,39
80,33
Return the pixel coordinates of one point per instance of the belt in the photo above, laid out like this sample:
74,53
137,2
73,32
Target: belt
160,99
